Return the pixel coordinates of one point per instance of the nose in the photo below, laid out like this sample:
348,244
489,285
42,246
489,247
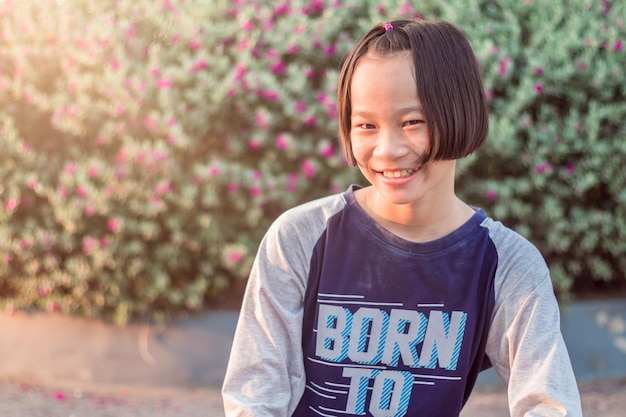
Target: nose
391,144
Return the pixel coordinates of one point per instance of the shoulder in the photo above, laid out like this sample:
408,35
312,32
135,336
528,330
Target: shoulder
521,268
304,224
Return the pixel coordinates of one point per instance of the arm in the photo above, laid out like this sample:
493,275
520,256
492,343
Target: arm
265,373
525,344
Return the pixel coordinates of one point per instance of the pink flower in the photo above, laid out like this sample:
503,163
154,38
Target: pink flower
406,9
194,44
89,244
163,187
115,64
89,210
255,191
315,7
240,72
235,256
199,65
163,83
81,192
59,396
570,168
330,50
308,169
504,65
539,71
69,169
292,180
159,156
489,94
300,107
538,88
150,123
131,32
121,157
491,195
281,10
619,46
254,145
248,26
114,225
581,66
542,168
261,121
282,142
310,121
243,44
293,49
11,204
279,67
328,151
332,110
269,95
232,187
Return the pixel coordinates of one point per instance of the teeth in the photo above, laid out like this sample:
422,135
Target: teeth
398,174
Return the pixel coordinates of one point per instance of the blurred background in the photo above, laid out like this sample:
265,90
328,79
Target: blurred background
148,144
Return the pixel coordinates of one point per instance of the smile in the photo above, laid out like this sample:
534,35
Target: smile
398,174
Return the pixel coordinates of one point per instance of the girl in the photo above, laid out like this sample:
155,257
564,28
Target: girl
388,300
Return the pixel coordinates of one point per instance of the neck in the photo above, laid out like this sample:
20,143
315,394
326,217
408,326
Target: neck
418,222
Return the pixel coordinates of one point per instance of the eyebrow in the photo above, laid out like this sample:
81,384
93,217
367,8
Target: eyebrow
404,110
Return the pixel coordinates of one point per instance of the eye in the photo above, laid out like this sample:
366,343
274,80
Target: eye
365,126
412,122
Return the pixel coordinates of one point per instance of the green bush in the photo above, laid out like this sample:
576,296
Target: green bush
553,166
147,145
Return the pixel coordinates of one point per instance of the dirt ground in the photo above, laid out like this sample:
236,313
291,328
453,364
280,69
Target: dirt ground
603,398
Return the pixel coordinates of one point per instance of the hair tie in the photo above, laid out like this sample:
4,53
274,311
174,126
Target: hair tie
388,27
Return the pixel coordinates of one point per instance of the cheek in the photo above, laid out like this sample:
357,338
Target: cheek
359,148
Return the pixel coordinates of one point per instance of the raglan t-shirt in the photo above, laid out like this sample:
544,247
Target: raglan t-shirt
343,318
392,325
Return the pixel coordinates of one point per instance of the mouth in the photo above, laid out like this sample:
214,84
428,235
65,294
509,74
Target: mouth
400,173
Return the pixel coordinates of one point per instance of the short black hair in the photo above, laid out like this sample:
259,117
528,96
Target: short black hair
448,81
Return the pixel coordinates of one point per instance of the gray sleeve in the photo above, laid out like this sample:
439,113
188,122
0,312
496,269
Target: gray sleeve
265,373
525,344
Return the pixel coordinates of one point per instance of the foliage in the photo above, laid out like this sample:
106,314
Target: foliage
147,145
552,169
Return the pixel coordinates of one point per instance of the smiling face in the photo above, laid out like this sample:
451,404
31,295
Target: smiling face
389,136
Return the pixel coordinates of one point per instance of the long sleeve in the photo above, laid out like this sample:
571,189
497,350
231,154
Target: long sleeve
525,344
265,374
